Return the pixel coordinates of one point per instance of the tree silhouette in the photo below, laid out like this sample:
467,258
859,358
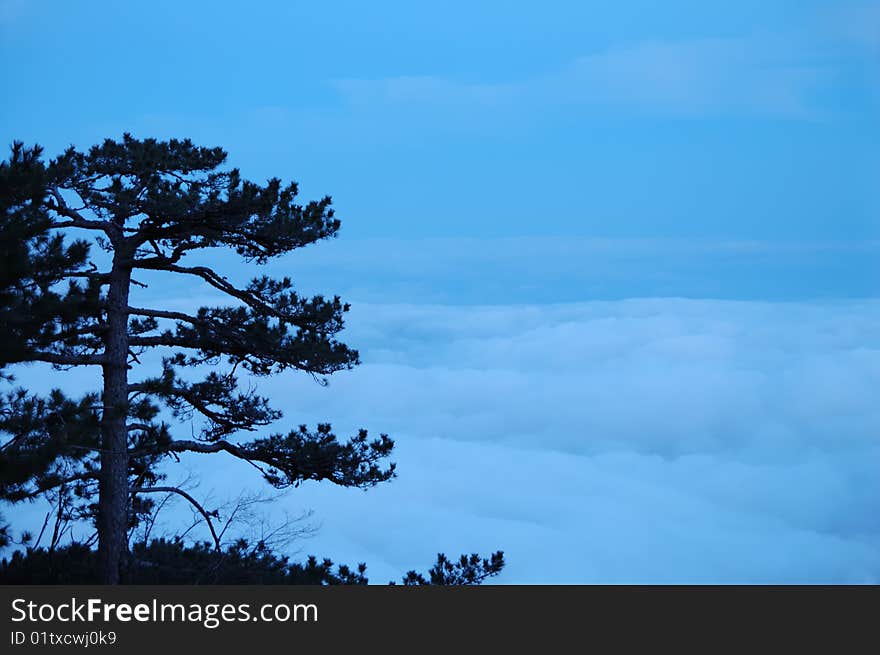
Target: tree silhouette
146,205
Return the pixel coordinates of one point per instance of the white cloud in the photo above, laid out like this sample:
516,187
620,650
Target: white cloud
656,440
635,441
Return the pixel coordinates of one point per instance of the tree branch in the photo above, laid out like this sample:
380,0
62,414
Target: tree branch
90,275
75,218
142,427
62,360
183,446
192,501
211,278
157,313
78,477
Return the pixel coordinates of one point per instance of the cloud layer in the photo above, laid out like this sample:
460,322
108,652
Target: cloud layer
652,440
552,269
635,441
656,440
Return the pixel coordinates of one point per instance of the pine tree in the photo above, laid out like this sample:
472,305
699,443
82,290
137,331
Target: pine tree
147,205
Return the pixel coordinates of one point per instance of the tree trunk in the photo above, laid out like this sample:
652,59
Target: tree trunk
113,486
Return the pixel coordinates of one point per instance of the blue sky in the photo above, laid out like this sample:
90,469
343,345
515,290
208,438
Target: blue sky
746,120
614,266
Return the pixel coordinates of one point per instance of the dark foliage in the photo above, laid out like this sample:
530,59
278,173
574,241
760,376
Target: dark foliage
173,562
468,570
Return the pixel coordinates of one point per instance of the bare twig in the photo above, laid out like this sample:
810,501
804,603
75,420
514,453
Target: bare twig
192,501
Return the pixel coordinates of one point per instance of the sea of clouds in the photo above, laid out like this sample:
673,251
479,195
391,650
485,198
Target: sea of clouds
656,440
621,441
647,440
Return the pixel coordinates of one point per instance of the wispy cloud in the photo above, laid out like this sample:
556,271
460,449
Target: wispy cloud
688,78
11,10
702,77
858,23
